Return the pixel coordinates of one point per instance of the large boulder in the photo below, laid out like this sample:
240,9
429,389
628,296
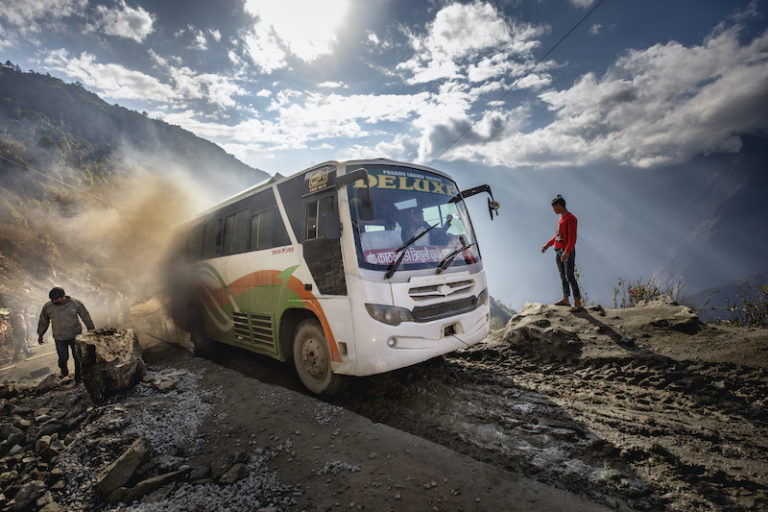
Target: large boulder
544,333
110,361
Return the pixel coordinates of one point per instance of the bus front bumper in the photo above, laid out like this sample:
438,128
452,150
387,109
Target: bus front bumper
410,342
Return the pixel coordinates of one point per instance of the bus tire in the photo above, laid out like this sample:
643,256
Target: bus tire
312,360
201,343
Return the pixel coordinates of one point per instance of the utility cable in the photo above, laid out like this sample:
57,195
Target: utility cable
527,72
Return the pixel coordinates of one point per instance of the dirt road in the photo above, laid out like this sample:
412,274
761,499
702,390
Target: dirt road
642,409
666,420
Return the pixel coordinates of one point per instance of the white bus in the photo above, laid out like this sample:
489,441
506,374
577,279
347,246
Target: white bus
345,268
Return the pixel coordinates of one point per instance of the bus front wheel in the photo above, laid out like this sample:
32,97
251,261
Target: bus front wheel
312,361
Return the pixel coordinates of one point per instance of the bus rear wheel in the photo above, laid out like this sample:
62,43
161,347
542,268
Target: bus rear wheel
201,343
312,360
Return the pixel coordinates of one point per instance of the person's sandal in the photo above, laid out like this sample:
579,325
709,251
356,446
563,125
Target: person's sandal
577,309
562,303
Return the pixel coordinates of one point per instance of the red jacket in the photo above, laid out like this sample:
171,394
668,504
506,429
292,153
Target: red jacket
565,238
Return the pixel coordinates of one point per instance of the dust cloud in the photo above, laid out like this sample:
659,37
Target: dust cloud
105,243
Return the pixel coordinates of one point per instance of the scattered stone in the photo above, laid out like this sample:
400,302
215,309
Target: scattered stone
160,494
47,384
53,507
627,341
151,484
237,472
121,470
165,384
28,495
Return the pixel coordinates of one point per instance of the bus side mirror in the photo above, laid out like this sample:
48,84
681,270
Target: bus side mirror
493,205
331,226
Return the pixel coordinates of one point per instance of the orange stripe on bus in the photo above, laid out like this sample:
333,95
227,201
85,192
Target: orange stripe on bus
270,278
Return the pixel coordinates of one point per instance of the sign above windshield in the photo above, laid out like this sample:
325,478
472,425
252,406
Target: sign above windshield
396,179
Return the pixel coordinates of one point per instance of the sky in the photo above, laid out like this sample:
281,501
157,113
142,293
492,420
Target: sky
638,113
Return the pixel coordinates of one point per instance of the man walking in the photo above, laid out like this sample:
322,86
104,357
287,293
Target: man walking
565,254
63,311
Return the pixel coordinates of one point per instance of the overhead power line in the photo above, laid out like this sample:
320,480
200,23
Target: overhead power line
524,75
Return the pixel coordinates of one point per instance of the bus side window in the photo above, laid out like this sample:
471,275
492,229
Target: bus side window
315,211
236,233
265,230
212,245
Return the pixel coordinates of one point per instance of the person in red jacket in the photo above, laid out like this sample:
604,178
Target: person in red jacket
565,254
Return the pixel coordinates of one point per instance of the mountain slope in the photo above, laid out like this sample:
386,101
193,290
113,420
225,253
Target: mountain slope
61,124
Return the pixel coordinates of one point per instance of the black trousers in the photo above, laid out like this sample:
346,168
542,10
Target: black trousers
567,274
62,350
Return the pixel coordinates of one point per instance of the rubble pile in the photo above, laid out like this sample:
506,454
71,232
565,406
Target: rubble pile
135,451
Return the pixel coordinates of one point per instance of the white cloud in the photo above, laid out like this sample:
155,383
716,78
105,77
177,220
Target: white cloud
460,32
30,16
300,121
581,3
124,21
115,81
662,105
199,41
332,85
234,58
110,80
215,34
265,51
304,28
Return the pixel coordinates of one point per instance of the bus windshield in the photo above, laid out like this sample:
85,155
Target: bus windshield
406,202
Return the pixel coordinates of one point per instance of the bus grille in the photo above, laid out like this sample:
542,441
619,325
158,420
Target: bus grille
440,291
444,309
256,329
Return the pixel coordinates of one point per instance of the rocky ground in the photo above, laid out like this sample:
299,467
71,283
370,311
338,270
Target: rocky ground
638,409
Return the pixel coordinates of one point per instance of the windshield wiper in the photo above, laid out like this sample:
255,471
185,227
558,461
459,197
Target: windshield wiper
446,262
395,264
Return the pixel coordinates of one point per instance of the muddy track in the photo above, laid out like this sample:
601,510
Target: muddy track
641,432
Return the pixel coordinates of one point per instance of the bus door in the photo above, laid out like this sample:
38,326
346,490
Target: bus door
322,244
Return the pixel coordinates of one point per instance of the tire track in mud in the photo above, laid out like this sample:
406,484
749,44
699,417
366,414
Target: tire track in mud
643,432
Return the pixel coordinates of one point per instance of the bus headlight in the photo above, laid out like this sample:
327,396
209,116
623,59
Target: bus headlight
390,315
482,299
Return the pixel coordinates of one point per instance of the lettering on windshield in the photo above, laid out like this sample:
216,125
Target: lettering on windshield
402,180
427,254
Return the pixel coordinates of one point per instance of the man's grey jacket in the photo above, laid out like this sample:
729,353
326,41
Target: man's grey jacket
64,318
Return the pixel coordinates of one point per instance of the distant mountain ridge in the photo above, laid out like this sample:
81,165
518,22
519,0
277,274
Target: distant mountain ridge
500,313
712,303
46,121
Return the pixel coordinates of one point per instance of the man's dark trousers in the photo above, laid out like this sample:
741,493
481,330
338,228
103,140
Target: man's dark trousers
62,349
